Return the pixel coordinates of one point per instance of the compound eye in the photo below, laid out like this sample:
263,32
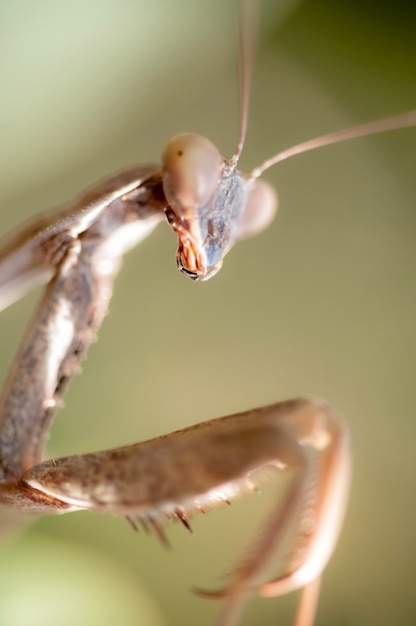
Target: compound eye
191,166
260,210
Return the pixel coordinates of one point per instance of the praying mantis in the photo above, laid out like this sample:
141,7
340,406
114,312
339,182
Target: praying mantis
64,256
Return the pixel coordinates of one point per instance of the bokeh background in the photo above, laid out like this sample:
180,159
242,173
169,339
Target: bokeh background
324,302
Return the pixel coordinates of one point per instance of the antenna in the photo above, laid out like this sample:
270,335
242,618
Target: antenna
247,31
402,120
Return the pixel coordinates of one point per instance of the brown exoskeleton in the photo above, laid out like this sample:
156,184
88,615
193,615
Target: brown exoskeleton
211,205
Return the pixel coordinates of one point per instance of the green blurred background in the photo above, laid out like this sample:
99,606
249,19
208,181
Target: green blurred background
323,303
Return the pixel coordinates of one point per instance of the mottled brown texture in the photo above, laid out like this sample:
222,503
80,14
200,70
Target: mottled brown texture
77,295
172,469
